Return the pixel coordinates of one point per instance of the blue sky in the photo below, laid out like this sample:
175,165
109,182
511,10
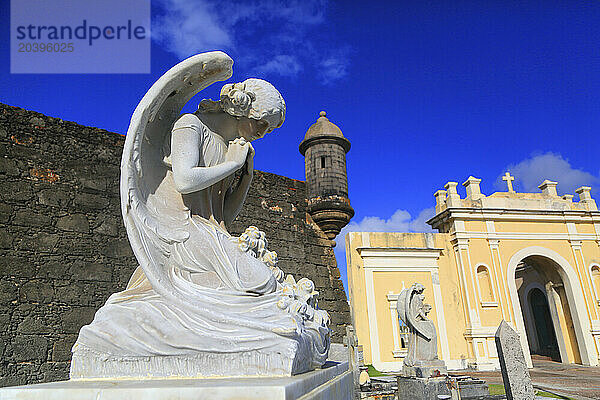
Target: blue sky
426,91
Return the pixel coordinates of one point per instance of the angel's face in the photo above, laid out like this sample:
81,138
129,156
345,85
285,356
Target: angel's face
251,129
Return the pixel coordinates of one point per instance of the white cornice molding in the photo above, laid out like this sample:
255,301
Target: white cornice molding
399,258
505,214
365,252
404,258
523,236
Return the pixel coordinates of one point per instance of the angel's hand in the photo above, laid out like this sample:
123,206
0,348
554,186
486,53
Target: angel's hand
237,151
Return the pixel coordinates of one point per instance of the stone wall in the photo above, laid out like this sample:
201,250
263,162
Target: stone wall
64,250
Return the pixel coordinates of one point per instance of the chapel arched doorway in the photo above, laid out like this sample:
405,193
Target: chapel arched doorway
545,302
547,344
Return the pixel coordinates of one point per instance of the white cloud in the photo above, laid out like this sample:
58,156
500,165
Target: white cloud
531,172
267,36
283,65
190,27
335,66
419,224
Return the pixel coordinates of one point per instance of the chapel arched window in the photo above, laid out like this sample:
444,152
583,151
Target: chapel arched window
596,281
486,289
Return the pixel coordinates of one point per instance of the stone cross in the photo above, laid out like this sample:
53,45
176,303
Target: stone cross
517,382
509,180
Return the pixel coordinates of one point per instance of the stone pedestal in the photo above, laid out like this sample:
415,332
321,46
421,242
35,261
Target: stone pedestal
429,369
471,388
332,382
411,388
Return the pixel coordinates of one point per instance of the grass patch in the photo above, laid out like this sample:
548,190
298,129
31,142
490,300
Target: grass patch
496,389
546,394
373,372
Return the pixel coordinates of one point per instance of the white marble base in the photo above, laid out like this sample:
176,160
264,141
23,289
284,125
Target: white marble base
333,382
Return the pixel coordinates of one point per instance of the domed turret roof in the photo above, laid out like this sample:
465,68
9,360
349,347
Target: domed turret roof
323,127
324,131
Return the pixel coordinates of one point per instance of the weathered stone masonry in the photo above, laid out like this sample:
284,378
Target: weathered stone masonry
64,250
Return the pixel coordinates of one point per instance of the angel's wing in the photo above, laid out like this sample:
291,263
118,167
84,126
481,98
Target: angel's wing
401,305
420,326
142,169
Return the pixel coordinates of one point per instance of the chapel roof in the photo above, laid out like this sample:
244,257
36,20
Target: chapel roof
547,199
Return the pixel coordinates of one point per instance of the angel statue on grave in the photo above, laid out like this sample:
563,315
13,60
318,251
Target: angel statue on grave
201,302
421,359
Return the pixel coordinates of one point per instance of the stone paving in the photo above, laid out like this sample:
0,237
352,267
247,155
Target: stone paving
573,380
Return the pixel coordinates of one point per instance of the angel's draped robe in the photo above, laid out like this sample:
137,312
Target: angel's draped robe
422,342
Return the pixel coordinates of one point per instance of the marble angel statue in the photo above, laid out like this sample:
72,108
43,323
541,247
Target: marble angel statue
201,302
421,359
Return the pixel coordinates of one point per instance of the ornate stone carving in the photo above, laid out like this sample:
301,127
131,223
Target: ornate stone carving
201,303
421,359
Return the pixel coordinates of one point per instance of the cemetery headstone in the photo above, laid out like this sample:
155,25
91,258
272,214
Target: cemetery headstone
517,382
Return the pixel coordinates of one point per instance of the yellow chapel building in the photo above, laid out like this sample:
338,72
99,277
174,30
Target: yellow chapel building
532,259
